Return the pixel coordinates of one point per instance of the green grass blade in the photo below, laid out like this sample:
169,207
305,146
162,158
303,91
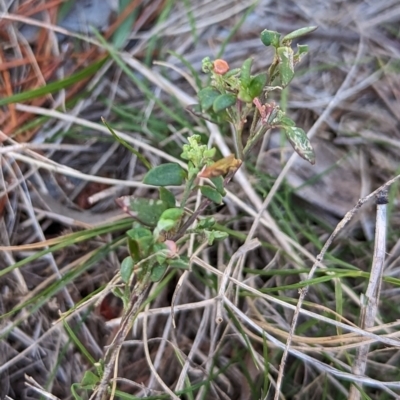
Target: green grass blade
54,86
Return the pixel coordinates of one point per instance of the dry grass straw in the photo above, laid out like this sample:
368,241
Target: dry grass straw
218,317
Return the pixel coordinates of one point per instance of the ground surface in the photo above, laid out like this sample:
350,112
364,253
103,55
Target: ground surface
61,172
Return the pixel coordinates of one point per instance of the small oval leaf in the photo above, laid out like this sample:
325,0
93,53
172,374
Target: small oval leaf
207,97
157,272
245,72
300,143
146,211
168,174
270,38
286,67
170,219
211,194
299,32
257,84
167,197
127,269
224,101
218,181
180,263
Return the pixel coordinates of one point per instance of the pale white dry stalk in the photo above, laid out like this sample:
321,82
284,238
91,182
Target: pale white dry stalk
303,292
370,302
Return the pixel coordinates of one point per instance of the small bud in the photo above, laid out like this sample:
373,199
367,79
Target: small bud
172,249
221,67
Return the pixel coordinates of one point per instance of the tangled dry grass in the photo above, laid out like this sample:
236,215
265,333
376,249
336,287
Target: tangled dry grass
61,171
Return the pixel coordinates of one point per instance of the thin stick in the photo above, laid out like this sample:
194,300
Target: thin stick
136,300
369,306
303,292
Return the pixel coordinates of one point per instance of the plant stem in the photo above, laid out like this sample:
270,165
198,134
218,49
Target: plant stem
251,142
137,297
187,191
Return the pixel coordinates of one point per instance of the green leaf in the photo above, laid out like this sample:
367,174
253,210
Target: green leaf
218,181
300,143
157,272
285,67
140,242
223,101
302,49
196,110
256,85
299,32
244,95
146,211
168,174
270,38
89,380
138,233
205,223
213,235
160,249
211,194
284,120
74,388
167,197
127,269
245,72
172,213
181,263
170,219
140,156
207,97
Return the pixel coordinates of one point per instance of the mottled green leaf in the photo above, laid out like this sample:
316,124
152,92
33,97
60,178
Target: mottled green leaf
168,174
157,272
300,143
196,110
270,38
140,241
284,120
286,66
207,97
181,263
302,49
127,269
167,197
256,85
218,181
213,235
205,223
244,95
170,219
299,32
224,101
146,211
245,72
211,194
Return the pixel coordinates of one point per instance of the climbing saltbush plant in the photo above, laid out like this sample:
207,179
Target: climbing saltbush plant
160,226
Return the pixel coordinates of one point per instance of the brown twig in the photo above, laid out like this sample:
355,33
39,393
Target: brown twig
137,297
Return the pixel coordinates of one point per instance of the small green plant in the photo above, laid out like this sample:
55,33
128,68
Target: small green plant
162,225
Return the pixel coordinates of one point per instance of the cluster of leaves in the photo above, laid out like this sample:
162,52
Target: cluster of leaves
233,95
161,225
